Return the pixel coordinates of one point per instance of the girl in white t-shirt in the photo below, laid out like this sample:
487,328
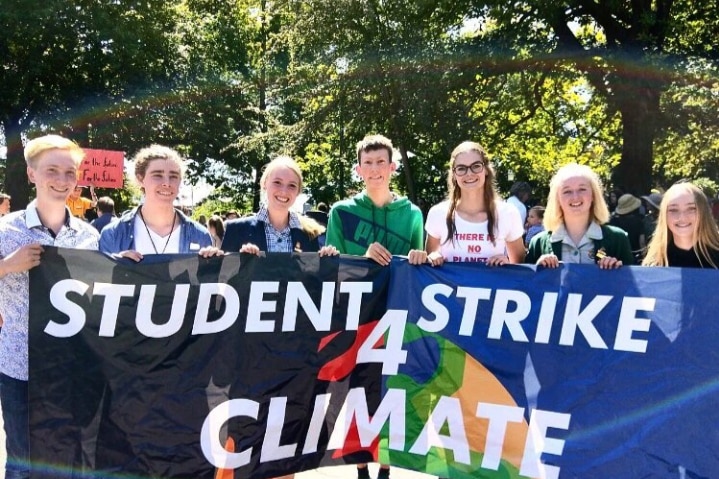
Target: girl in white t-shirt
474,224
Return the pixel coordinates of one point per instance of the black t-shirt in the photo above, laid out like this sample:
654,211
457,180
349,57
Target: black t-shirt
633,224
691,258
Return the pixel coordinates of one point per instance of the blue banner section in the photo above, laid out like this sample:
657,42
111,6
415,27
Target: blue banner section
627,359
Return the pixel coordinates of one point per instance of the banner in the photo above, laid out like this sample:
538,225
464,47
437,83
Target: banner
242,366
102,168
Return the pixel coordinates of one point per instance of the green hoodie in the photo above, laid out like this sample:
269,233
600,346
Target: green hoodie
356,223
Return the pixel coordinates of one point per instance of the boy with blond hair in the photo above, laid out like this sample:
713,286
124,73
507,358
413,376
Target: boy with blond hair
52,165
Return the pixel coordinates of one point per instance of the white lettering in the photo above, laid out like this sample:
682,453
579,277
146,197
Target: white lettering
257,305
499,415
538,443
448,410
469,316
575,319
440,312
501,314
628,323
228,318
75,314
213,450
391,408
297,295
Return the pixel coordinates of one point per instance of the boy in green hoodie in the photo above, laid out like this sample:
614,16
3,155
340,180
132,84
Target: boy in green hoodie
377,223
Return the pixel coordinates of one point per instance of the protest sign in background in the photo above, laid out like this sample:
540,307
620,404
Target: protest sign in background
102,168
471,372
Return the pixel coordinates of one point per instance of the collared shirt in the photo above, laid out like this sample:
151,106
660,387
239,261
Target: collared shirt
582,253
19,229
278,241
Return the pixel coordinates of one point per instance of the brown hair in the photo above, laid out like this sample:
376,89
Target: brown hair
455,193
155,152
374,143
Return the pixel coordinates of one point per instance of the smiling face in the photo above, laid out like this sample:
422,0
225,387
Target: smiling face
282,186
161,182
575,197
54,174
682,216
375,168
465,171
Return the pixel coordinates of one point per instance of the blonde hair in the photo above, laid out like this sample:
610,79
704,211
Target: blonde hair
455,193
553,215
281,162
309,225
706,235
37,146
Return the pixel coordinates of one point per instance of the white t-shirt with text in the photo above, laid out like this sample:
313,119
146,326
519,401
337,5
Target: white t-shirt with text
471,240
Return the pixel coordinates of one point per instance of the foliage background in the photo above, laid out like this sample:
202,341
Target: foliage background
628,87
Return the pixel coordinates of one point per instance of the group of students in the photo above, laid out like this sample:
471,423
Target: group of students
473,224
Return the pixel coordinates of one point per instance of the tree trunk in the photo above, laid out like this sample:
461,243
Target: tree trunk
640,111
408,174
16,182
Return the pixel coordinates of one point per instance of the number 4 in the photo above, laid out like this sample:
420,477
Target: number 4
392,355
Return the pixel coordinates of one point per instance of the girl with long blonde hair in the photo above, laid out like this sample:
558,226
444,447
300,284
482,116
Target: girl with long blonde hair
686,234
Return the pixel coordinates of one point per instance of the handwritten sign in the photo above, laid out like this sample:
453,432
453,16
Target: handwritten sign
102,168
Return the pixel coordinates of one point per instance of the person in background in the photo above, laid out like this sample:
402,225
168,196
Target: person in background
156,227
216,227
627,217
4,204
651,206
613,199
78,204
105,213
52,165
202,219
519,194
231,215
376,223
276,228
474,224
319,214
686,234
535,216
576,226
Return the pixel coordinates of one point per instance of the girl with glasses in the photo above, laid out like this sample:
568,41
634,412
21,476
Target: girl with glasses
473,224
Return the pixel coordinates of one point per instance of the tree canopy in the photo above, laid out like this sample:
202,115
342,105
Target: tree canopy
629,87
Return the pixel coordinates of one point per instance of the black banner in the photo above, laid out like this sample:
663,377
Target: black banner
128,362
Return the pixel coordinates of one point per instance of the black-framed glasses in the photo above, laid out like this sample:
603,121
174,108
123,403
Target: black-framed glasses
476,167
